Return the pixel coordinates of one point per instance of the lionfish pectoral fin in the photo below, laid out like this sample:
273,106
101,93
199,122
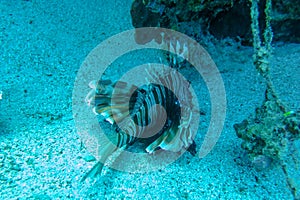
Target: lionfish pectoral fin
157,143
97,168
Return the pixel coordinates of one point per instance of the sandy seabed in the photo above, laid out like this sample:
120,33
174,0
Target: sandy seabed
43,44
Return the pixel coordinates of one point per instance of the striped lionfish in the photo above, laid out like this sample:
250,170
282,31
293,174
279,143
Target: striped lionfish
176,134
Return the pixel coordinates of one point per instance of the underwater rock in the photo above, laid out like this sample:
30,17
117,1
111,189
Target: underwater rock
142,15
221,18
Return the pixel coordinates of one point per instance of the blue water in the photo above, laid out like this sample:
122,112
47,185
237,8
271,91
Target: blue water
43,45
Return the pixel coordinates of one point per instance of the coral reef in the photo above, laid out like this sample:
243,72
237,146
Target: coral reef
270,134
274,126
221,18
271,131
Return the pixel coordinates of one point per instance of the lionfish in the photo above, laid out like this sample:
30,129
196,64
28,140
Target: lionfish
176,135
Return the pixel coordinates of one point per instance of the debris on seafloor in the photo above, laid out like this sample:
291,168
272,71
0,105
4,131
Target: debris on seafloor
271,132
270,137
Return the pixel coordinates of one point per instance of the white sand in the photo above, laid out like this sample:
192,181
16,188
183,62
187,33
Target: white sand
43,44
